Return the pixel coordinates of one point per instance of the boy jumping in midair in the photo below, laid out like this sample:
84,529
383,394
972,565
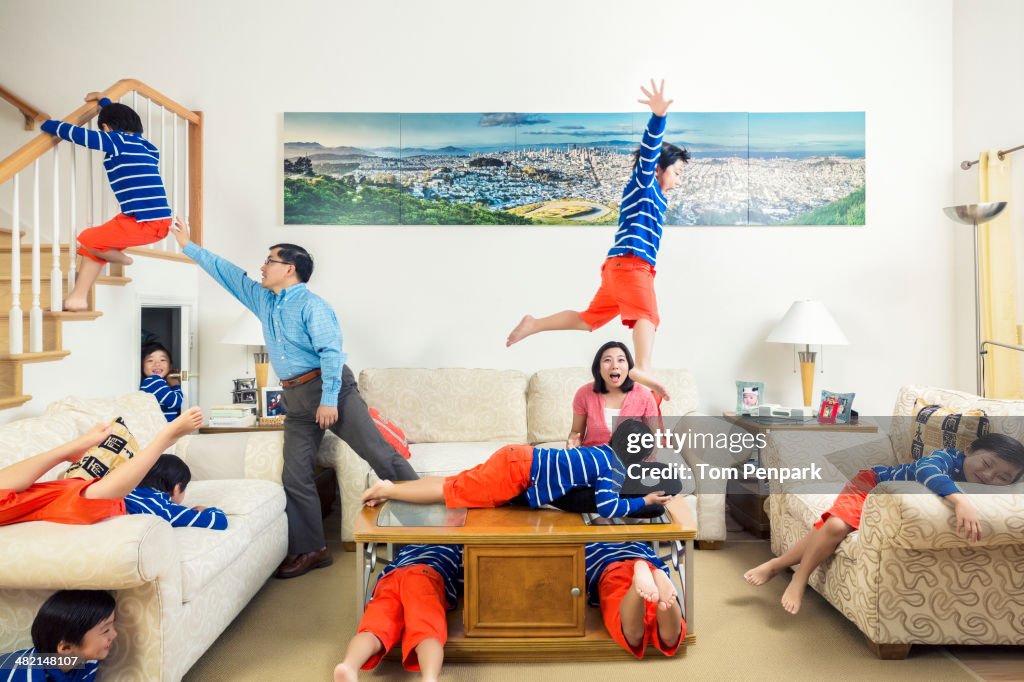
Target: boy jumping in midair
627,276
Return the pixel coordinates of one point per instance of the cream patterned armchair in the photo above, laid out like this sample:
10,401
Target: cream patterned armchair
906,577
455,418
176,588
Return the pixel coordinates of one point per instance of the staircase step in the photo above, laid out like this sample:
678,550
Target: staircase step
14,401
64,315
45,260
26,294
30,358
52,334
7,235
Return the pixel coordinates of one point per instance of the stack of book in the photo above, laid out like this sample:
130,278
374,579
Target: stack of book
233,415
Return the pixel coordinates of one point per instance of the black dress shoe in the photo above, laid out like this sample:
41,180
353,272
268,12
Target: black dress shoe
304,563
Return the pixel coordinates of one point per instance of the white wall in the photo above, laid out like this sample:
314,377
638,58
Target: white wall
447,296
988,113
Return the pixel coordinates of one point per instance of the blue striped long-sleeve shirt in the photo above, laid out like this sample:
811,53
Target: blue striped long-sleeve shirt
299,327
598,556
132,163
169,397
937,471
144,500
10,671
445,559
555,472
642,209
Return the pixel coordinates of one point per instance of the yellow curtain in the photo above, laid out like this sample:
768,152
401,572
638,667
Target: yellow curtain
998,273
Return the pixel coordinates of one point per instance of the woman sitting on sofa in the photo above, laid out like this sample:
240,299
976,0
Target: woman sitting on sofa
610,395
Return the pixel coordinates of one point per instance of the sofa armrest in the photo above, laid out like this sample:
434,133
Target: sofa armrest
254,454
907,515
115,554
840,455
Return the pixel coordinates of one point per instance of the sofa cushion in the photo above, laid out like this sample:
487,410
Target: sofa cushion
445,459
140,411
27,437
251,506
450,405
101,459
937,428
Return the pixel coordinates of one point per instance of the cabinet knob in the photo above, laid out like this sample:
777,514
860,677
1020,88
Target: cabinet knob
575,591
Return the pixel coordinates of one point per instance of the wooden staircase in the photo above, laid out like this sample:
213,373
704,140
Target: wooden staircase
11,366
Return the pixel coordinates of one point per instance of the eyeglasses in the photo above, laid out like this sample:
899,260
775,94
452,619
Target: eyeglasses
282,262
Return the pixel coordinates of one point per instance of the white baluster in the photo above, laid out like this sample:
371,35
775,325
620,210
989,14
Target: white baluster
92,182
135,100
15,322
149,118
35,317
187,208
174,181
56,277
73,227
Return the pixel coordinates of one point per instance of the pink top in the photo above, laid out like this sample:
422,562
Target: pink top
639,403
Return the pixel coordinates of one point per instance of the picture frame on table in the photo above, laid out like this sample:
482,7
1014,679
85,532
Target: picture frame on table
749,394
245,384
272,402
845,405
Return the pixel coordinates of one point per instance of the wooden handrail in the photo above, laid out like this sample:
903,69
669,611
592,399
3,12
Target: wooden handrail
31,114
42,143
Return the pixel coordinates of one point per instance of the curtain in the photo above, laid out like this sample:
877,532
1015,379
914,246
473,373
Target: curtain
998,274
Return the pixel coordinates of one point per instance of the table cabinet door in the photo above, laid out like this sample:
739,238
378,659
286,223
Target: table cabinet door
525,591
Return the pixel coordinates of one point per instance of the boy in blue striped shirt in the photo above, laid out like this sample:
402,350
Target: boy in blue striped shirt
408,606
638,601
544,474
156,365
627,275
994,459
133,168
161,493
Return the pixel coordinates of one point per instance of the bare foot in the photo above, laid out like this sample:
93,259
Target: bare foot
793,595
522,330
345,673
76,305
759,575
666,590
643,581
641,377
187,422
376,493
115,256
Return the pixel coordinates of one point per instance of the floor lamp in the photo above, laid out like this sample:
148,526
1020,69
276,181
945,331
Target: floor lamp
974,215
807,323
246,330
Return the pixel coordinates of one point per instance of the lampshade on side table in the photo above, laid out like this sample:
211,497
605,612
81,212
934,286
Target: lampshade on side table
807,323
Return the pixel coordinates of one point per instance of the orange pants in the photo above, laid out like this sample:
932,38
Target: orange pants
58,501
121,232
504,475
408,605
615,582
627,290
850,503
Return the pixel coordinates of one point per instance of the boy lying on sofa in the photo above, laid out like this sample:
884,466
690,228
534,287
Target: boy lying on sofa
543,474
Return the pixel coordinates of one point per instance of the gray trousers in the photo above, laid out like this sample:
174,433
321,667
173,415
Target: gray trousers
302,437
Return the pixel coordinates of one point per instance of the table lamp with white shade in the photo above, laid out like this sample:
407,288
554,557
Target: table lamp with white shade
247,331
808,323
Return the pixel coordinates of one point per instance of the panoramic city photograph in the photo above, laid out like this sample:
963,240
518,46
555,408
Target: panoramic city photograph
351,168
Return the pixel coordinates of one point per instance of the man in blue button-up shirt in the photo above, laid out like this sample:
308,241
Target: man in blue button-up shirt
320,392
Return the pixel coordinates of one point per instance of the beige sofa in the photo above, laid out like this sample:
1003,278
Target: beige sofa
176,588
455,418
906,577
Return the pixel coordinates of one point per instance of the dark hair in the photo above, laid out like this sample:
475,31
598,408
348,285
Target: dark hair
626,441
149,349
297,256
167,472
67,615
669,155
120,117
1004,447
595,368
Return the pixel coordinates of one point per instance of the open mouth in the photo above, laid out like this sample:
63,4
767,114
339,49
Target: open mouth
615,376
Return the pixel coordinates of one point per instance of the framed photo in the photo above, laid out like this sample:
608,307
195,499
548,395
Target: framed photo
272,403
844,407
245,384
246,397
749,394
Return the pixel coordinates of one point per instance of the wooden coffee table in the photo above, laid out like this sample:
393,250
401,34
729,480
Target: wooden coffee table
525,589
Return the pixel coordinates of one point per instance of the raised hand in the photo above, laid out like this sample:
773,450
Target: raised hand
656,98
90,438
180,230
94,97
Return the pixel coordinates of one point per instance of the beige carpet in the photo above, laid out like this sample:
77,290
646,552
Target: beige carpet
297,630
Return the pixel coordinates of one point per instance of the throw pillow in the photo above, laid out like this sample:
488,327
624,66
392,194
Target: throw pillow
936,428
392,432
99,460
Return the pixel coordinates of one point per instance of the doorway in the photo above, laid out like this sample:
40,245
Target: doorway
171,324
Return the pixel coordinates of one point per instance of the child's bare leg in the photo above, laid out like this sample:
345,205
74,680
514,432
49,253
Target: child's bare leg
529,325
126,477
762,573
360,649
670,617
113,256
643,345
633,609
430,654
20,475
78,299
822,545
427,490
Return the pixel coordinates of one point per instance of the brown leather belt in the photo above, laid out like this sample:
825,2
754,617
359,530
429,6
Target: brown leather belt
301,379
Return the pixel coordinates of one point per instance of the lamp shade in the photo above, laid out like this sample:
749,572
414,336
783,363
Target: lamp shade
808,323
244,331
